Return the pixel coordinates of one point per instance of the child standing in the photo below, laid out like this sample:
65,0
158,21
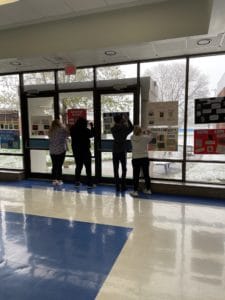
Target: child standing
140,160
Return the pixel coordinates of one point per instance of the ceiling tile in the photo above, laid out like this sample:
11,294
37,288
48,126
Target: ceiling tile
81,5
169,47
215,42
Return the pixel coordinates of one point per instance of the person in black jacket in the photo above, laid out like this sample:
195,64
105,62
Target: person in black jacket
122,128
80,135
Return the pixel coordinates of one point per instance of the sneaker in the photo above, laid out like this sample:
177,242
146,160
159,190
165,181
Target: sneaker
149,192
55,182
91,186
60,182
77,184
134,194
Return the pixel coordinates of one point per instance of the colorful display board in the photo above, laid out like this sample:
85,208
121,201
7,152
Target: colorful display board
9,129
209,141
9,139
164,139
163,113
108,120
40,125
210,110
74,113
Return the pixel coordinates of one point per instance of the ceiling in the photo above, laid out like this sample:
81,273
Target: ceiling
26,13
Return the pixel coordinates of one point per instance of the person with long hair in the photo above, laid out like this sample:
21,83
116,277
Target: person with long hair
80,135
140,161
58,135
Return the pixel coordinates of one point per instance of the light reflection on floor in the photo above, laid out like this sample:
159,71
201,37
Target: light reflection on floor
175,250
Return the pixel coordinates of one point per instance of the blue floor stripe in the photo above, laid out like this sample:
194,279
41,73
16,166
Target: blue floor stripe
106,189
54,259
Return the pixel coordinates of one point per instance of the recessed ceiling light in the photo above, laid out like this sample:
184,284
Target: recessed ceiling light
110,52
204,42
3,2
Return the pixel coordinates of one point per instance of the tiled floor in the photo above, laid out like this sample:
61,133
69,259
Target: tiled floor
67,244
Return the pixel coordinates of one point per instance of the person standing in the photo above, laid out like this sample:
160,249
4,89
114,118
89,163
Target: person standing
121,129
58,135
140,161
80,135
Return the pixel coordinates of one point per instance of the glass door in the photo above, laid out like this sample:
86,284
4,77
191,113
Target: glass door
40,113
110,105
73,104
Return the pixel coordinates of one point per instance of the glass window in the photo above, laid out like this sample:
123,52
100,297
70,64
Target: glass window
10,122
40,161
82,75
206,79
167,170
205,172
11,162
107,165
41,114
39,78
164,81
119,76
69,167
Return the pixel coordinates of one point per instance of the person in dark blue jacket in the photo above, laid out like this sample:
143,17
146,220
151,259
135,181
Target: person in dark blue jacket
80,135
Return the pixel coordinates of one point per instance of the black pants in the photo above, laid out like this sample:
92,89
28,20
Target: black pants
138,165
83,159
117,159
57,163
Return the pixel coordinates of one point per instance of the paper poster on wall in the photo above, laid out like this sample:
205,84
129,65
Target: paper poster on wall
164,139
40,125
74,113
209,141
9,119
9,139
9,129
163,113
108,120
210,110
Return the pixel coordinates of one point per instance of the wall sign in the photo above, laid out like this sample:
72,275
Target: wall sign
164,139
75,113
210,110
163,113
40,125
209,141
9,129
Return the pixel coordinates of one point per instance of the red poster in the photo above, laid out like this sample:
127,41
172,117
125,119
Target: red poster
74,113
209,141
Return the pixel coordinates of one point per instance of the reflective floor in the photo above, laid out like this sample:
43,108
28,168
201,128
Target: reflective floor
77,244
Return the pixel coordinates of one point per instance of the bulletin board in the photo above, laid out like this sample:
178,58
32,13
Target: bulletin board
9,129
40,125
74,114
210,110
163,113
164,139
209,141
9,139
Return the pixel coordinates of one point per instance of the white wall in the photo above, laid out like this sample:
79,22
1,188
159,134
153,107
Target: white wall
166,20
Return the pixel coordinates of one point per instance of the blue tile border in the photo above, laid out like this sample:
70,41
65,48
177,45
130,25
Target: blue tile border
106,190
54,259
